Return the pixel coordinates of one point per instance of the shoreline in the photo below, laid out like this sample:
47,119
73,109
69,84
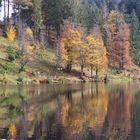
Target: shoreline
38,80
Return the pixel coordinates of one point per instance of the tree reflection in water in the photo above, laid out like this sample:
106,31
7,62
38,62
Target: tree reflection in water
73,112
84,115
117,125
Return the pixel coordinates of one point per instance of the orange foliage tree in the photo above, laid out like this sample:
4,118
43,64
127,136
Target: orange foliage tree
74,48
69,43
118,41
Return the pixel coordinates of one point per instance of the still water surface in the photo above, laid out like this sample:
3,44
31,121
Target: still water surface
70,112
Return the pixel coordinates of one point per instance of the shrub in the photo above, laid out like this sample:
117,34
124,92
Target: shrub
19,80
22,65
22,68
41,54
12,55
8,66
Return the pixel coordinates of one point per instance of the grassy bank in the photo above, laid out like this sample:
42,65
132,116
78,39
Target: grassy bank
41,67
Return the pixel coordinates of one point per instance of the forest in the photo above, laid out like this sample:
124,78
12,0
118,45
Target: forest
69,69
45,41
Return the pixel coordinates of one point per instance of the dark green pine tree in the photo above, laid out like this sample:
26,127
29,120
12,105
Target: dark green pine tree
135,37
55,12
84,15
37,18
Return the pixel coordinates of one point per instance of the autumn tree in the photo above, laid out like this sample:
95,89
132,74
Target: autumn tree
69,43
82,55
96,54
61,54
118,41
28,40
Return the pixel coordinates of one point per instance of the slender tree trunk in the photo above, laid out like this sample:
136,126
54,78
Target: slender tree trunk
14,10
82,69
5,11
96,74
35,34
8,12
47,30
5,22
19,26
69,66
91,67
39,32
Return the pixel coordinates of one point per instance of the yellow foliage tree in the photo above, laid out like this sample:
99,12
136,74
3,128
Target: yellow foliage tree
11,33
61,54
82,55
96,54
28,40
69,44
104,60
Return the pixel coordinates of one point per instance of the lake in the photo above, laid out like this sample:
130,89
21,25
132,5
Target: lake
70,112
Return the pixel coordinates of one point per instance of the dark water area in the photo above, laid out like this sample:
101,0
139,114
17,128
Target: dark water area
70,112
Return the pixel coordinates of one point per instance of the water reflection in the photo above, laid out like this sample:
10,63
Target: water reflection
70,112
85,113
118,119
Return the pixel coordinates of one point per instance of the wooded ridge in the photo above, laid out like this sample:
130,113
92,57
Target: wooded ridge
88,39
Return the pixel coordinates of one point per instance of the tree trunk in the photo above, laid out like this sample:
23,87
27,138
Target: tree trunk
5,22
82,69
96,74
91,71
69,67
35,33
5,11
8,12
38,34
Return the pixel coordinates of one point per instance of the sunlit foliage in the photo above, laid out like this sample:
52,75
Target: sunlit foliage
69,44
12,131
97,58
118,41
11,33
